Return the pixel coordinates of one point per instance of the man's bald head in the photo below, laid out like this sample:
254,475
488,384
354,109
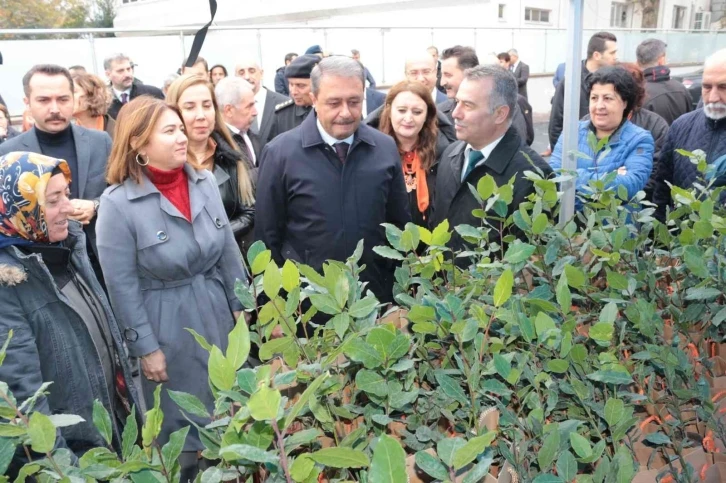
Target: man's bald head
250,70
713,88
421,68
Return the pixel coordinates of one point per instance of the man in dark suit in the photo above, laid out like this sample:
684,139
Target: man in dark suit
421,67
265,99
488,145
332,181
454,61
49,98
120,73
520,71
373,100
236,102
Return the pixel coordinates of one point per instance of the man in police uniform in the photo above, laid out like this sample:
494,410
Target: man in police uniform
292,113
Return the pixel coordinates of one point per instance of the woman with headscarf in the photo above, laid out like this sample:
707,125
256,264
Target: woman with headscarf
63,329
169,259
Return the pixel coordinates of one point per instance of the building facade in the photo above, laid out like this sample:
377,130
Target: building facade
539,14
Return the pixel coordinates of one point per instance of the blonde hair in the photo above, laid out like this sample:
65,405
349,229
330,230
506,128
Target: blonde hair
136,121
176,89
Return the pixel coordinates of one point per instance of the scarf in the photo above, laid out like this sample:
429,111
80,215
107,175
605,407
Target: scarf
412,170
23,181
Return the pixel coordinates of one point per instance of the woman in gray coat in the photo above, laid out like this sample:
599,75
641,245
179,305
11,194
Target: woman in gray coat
169,258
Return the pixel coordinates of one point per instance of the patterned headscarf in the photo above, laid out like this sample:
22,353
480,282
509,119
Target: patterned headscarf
23,181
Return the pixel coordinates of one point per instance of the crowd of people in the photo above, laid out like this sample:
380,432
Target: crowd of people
126,208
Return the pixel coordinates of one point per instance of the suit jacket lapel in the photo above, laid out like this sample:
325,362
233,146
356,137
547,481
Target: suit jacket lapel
83,154
31,142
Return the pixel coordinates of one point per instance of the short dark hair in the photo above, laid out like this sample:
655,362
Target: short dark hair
290,56
623,82
504,56
597,43
465,56
649,51
45,69
77,67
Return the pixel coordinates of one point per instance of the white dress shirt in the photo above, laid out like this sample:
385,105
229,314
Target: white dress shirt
330,140
248,142
260,99
486,151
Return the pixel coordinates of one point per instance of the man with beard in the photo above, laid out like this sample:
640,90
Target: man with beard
124,88
49,98
703,129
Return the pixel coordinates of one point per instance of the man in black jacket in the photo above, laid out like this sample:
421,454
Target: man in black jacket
332,181
602,50
488,145
120,73
281,86
666,97
703,129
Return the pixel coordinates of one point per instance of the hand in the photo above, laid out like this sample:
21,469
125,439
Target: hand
84,211
622,171
238,313
154,366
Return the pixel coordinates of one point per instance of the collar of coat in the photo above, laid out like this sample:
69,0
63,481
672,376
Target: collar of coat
13,273
136,190
499,159
311,136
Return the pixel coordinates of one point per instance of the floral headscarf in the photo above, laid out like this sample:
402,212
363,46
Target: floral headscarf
23,181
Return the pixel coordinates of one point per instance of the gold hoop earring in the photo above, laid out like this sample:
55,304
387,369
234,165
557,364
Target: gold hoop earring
139,162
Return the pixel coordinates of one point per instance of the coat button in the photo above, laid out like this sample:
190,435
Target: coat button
218,222
161,235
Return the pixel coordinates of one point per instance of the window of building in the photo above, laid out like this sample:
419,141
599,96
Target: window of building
702,21
536,15
501,11
618,15
679,17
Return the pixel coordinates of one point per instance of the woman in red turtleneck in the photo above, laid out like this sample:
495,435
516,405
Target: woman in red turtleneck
170,259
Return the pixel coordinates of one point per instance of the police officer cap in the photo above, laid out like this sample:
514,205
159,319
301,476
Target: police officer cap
301,67
315,49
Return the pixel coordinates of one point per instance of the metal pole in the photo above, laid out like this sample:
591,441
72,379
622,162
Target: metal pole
383,56
92,43
259,46
573,78
183,49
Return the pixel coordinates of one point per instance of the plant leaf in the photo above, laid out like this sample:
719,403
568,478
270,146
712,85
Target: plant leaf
272,280
303,400
566,466
42,432
503,288
341,458
389,461
102,421
221,372
431,465
581,445
247,452
290,276
549,449
614,411
238,348
473,448
189,403
264,403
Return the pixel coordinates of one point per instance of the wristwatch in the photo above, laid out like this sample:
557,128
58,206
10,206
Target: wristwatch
96,204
